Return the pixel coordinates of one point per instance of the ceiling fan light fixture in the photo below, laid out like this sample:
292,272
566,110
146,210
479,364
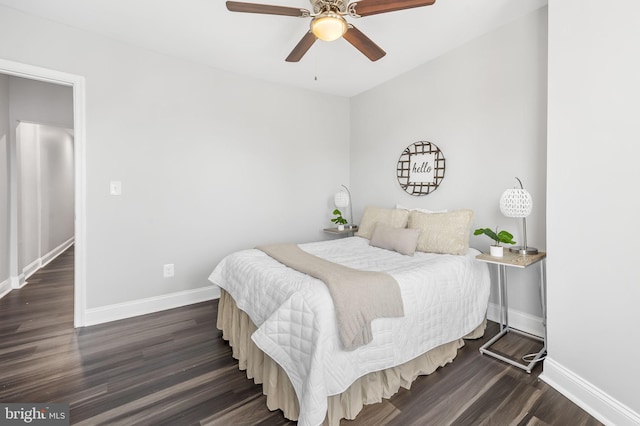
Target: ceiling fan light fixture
328,26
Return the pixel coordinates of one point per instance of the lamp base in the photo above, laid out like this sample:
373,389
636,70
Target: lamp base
523,250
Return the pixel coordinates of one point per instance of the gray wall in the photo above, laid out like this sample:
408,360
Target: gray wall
210,162
484,106
593,176
56,186
4,183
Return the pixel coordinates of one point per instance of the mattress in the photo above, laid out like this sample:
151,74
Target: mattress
445,297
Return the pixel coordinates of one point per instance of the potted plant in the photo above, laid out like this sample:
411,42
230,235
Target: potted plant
339,220
504,237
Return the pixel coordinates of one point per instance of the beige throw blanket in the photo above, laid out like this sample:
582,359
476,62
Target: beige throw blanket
359,296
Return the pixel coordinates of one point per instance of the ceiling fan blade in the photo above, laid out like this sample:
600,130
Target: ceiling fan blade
301,48
363,43
237,6
373,7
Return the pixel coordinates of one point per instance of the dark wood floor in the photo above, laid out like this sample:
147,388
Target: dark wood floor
173,368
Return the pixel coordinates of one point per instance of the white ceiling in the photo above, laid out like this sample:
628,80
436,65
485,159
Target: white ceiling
255,45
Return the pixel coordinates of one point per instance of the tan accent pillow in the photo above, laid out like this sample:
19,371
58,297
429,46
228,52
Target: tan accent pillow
402,240
443,232
373,215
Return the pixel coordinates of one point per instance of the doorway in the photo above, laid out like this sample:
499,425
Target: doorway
77,83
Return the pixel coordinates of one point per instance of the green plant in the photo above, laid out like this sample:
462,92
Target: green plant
338,220
499,237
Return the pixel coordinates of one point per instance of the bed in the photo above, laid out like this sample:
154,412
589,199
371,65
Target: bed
281,323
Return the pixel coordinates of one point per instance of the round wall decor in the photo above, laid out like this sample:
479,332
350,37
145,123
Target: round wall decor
421,168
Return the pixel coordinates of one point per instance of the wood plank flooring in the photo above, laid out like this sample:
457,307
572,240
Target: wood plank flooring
173,368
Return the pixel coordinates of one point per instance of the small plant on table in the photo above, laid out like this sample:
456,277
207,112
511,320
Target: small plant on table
339,220
503,237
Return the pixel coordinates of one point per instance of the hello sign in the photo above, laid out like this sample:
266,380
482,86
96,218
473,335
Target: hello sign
421,168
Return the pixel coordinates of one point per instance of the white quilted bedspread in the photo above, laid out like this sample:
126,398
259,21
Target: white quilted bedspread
445,297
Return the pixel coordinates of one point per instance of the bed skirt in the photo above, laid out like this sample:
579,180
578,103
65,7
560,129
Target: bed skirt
237,329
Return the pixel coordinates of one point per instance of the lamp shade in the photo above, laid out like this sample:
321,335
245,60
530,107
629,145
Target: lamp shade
516,202
341,199
328,26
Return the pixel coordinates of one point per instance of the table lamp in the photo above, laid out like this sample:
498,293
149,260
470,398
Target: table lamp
517,202
342,199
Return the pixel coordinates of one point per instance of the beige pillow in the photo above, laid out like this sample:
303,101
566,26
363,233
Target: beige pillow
402,240
443,232
372,215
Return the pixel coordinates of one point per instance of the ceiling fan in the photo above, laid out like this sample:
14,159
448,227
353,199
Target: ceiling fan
328,22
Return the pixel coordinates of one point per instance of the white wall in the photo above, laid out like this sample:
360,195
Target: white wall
593,176
56,187
210,162
4,184
484,106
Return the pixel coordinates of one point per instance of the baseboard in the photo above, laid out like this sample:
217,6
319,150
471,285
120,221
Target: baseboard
44,260
150,305
587,396
518,320
17,282
14,283
29,270
47,258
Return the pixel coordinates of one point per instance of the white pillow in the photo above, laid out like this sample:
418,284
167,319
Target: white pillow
394,218
402,240
443,232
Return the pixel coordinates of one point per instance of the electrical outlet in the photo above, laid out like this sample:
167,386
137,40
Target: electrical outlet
115,187
167,270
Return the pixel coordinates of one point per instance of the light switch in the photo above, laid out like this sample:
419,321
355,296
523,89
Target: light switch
115,187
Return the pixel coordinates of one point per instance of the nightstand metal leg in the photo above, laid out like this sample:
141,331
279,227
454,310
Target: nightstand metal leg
503,298
503,272
543,301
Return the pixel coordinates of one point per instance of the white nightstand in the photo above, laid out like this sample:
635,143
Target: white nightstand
514,260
